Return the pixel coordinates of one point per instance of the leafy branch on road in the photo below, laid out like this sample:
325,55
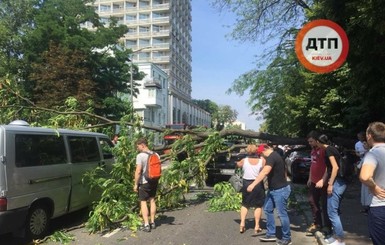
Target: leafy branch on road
225,198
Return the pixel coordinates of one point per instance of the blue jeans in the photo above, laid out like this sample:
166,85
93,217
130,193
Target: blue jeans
376,220
277,199
333,203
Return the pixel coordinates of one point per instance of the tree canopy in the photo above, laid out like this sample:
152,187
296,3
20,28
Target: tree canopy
46,46
221,115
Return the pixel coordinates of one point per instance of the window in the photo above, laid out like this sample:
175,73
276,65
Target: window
144,16
131,30
83,149
144,42
130,17
130,5
143,4
143,56
159,15
144,29
130,43
106,146
151,93
105,8
39,150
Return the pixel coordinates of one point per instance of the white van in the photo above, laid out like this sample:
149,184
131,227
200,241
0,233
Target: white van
41,173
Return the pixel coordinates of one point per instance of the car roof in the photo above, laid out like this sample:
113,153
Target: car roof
29,129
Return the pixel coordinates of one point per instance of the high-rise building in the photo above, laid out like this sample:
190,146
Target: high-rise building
159,32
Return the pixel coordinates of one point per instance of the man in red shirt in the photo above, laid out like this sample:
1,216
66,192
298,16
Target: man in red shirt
317,194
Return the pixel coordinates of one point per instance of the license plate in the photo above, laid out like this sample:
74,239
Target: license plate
227,171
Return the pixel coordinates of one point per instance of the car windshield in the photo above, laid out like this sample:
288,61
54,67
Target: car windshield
302,154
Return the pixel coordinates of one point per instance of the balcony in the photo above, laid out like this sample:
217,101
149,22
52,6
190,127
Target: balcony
164,19
164,6
117,9
161,33
153,84
155,100
163,58
165,45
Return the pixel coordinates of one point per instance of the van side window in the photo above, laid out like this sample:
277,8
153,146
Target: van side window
106,146
83,149
39,150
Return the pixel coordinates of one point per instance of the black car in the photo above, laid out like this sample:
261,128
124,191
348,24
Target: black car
223,166
298,165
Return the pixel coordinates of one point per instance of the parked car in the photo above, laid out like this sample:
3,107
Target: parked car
222,167
41,172
298,164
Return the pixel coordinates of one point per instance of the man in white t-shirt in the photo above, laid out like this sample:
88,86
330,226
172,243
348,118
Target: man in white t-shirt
146,189
359,146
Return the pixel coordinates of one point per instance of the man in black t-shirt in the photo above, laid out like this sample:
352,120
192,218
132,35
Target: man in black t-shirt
277,195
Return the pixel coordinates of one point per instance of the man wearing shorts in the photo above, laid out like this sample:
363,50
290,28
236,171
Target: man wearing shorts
146,189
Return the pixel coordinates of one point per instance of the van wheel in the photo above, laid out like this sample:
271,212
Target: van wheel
37,222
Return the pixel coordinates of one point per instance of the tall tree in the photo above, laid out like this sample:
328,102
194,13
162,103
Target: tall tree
224,115
62,74
59,27
220,114
15,20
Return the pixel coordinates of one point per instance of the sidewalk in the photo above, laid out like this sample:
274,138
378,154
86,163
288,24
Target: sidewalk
355,224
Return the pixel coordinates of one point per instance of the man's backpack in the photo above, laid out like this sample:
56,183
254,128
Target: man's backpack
154,167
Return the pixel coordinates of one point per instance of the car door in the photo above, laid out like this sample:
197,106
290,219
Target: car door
40,170
84,157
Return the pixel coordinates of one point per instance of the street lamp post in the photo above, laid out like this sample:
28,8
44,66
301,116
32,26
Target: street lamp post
132,87
132,77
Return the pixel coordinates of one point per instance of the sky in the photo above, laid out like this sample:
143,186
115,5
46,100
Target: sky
217,60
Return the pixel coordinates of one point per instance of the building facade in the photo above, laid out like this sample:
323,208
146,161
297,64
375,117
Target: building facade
152,101
159,32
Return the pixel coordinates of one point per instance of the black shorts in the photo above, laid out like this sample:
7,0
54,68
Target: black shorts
254,199
148,190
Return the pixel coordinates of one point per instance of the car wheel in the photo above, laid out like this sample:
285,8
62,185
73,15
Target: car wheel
37,222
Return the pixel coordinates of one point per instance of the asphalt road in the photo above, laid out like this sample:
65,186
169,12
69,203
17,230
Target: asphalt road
193,225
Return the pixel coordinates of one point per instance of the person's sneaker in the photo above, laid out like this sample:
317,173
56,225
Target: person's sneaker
153,226
330,240
146,228
312,229
268,238
284,242
336,242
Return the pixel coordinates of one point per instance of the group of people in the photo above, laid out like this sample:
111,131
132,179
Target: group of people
326,187
263,163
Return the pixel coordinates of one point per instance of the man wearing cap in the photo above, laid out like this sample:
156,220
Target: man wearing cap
277,195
